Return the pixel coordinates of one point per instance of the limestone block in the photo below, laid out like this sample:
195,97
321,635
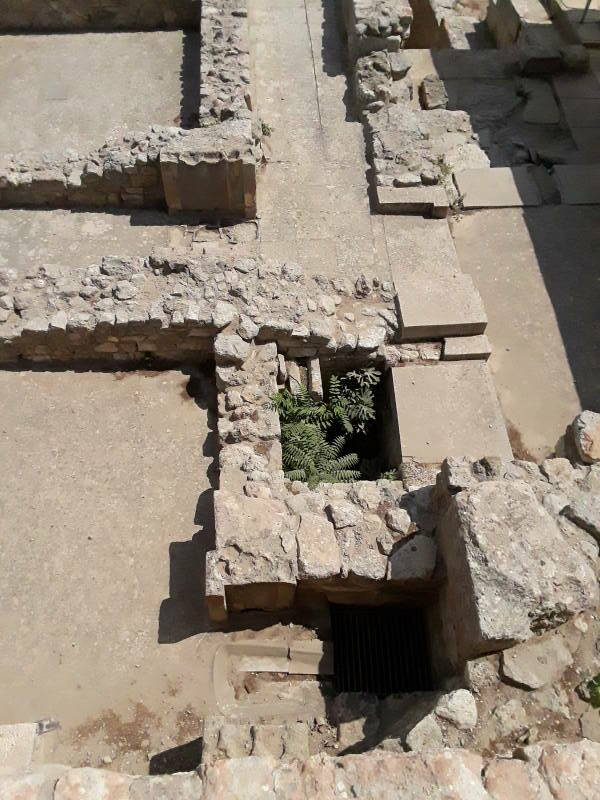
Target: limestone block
181,786
578,184
212,170
31,785
311,657
586,434
446,409
413,560
459,708
318,551
426,200
584,511
284,742
17,744
537,662
510,570
460,348
497,187
432,306
92,783
432,92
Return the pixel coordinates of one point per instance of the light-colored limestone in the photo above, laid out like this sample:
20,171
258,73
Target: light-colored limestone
497,187
447,409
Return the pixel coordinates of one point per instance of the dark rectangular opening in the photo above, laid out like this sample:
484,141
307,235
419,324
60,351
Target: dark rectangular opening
381,650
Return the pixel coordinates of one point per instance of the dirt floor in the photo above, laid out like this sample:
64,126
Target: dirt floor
537,271
69,90
105,482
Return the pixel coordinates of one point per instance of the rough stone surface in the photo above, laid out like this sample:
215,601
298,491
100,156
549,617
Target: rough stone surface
537,662
459,708
318,551
85,782
586,433
510,569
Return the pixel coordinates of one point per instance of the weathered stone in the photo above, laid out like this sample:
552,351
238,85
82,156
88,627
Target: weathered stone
432,92
38,785
590,724
286,741
17,744
510,779
586,433
231,349
536,662
343,514
459,708
510,569
95,784
425,736
223,315
181,786
125,290
397,519
584,511
318,551
414,559
356,718
509,719
570,770
480,673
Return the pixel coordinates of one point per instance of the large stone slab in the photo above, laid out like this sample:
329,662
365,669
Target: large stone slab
510,570
447,409
432,306
497,187
578,184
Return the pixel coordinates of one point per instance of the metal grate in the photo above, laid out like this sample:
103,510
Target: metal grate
382,650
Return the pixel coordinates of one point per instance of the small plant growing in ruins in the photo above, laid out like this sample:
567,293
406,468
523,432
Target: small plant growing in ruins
593,686
314,433
265,128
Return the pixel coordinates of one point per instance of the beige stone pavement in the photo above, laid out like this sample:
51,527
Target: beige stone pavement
312,194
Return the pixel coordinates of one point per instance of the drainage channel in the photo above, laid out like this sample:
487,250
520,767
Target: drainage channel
381,650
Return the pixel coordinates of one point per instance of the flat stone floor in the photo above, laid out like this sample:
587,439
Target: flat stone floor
71,90
30,238
312,195
103,520
537,271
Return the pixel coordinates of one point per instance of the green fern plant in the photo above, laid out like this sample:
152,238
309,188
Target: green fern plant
314,433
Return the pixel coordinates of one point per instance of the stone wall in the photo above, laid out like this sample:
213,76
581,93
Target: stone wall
78,15
172,305
210,170
546,770
225,90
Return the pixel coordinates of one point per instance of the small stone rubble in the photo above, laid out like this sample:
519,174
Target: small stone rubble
376,25
224,62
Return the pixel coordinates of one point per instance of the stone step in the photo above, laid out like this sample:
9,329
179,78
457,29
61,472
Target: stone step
578,184
447,409
497,187
432,306
425,200
463,348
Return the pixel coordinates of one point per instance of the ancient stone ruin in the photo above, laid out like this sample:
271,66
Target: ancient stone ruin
300,441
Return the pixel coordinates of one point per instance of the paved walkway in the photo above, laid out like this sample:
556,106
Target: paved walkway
312,195
537,271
